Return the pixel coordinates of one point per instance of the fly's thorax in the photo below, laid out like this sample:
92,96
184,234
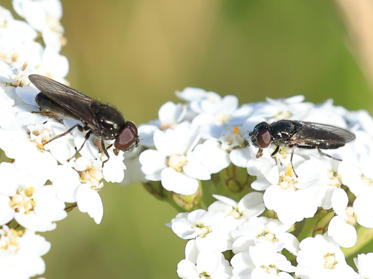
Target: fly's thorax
283,130
109,122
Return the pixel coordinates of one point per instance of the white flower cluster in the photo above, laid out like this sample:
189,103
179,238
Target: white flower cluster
40,182
208,134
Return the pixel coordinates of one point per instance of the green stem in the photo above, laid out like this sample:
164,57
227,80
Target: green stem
364,242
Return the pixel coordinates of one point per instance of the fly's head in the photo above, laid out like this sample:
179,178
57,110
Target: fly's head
261,136
127,138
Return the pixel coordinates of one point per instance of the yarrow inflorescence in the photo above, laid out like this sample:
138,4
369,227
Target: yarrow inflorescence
286,224
243,215
40,185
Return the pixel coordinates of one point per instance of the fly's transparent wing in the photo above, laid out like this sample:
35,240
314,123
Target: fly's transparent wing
322,135
75,102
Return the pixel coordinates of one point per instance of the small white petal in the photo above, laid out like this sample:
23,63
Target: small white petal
342,233
178,182
152,163
89,201
6,212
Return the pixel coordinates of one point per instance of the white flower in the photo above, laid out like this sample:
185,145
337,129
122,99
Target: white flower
146,134
89,201
133,168
357,175
327,113
203,264
364,265
179,160
342,226
251,205
361,120
44,16
218,110
362,208
50,59
33,205
169,115
264,168
66,180
263,231
355,168
231,138
80,185
20,253
42,129
295,198
191,225
210,229
197,98
274,110
320,257
260,262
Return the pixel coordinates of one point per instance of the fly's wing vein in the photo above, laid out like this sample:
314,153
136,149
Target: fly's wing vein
322,135
75,102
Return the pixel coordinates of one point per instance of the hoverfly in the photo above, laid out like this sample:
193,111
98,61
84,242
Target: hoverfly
97,118
302,134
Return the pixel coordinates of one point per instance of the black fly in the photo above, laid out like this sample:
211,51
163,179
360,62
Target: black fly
302,134
99,119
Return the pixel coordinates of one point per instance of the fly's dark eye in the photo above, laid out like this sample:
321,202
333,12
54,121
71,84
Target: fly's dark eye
264,138
127,137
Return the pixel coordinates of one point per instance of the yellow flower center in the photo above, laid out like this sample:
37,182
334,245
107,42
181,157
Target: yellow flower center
330,261
270,269
367,180
288,180
177,162
334,178
282,115
351,216
23,201
92,176
268,236
235,213
9,240
204,230
223,118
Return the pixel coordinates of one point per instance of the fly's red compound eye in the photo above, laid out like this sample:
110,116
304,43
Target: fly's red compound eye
264,138
127,137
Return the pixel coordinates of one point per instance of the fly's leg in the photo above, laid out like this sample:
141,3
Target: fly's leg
291,162
86,137
327,155
274,153
260,153
105,151
65,133
291,158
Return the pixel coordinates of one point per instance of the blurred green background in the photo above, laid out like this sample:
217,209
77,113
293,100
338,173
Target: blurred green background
135,54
